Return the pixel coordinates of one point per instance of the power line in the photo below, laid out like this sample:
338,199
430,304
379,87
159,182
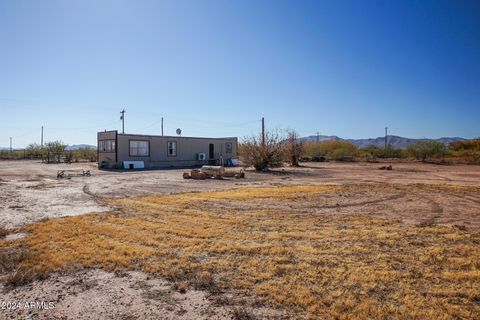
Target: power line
211,124
150,125
85,128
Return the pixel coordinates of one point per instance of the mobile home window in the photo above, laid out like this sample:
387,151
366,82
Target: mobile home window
228,147
139,148
172,148
106,145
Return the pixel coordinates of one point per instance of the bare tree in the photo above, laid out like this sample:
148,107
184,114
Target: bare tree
35,150
261,156
55,148
294,148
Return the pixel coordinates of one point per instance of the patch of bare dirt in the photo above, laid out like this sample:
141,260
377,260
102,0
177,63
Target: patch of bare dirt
97,294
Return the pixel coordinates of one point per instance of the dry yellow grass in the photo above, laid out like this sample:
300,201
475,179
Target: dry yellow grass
252,241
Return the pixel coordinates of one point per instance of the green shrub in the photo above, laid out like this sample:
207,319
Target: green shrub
373,152
471,145
337,150
427,149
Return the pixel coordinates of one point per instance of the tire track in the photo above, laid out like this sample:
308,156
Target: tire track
363,203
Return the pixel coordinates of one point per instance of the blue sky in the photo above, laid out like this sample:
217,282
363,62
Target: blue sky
214,68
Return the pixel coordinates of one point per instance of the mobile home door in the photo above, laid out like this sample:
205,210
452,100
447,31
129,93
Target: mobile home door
211,151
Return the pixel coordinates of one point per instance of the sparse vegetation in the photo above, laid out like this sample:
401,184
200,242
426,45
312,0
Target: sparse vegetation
261,155
268,242
470,145
468,151
427,149
52,152
335,150
294,148
373,152
85,154
35,151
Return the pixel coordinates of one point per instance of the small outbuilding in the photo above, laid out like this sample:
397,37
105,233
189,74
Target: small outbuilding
128,151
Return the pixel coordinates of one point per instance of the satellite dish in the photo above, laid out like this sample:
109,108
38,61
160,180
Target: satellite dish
179,131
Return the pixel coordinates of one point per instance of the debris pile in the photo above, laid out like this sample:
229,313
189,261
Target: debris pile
68,174
386,168
216,172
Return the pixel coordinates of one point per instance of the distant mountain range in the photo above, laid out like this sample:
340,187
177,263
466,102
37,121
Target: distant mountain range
80,146
394,141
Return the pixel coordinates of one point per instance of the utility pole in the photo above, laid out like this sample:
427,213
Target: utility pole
41,139
11,151
122,117
162,126
318,137
263,131
386,137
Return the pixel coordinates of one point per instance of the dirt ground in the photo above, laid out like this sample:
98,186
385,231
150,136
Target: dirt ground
30,191
412,193
97,294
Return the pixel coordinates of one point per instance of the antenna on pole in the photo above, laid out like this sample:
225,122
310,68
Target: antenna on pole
318,136
122,117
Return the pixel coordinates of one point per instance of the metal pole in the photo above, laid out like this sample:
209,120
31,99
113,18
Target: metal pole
162,126
41,140
263,131
318,136
386,139
11,151
122,117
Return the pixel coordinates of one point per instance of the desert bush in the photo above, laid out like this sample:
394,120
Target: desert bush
262,155
35,151
55,146
470,145
24,275
86,154
294,148
468,151
372,152
15,154
55,149
468,156
337,150
427,149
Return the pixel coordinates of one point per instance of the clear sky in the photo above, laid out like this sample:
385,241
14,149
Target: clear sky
214,68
